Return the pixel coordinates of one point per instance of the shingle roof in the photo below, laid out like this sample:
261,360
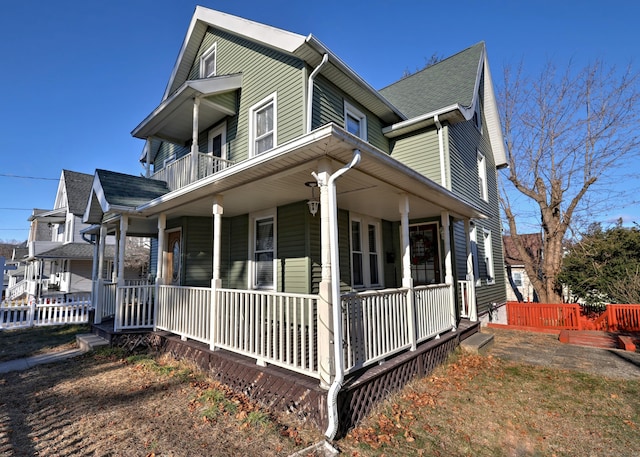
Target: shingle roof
75,251
451,81
128,190
78,187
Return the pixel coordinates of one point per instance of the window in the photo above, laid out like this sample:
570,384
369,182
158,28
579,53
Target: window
365,250
517,278
354,121
477,114
262,125
488,256
424,254
208,62
263,252
482,177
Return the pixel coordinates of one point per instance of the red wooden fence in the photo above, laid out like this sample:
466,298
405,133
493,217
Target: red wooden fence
615,318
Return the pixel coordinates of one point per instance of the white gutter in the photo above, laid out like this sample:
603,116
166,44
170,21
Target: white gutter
312,78
332,396
443,171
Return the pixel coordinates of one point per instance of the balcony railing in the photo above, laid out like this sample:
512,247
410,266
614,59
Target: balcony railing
180,173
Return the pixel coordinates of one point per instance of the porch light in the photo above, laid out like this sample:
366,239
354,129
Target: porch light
313,202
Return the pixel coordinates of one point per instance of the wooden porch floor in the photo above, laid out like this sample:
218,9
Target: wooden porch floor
286,391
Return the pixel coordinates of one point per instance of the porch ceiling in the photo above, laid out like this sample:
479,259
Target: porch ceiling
277,178
172,119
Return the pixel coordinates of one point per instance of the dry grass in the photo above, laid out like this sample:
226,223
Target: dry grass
482,406
15,344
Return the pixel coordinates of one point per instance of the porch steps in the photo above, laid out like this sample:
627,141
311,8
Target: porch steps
478,343
90,341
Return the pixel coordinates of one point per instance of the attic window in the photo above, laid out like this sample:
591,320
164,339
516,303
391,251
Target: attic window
354,121
208,62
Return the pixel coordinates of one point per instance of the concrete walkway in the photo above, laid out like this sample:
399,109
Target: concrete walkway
545,350
30,362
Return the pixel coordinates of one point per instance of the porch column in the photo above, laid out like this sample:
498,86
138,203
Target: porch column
448,265
216,281
194,140
407,280
473,310
122,238
162,225
326,364
97,299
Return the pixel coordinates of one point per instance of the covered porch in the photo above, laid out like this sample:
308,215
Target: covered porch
394,309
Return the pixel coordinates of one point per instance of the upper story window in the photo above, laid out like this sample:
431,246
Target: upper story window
355,121
482,177
262,125
208,62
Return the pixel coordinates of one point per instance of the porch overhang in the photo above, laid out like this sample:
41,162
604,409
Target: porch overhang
277,178
172,119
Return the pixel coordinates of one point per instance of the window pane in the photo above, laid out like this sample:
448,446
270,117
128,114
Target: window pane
357,269
264,269
216,146
372,239
264,144
210,65
264,120
355,236
264,235
353,125
373,268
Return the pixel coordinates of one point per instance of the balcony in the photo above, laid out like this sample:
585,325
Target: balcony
186,170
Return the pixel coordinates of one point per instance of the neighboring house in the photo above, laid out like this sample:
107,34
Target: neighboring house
519,287
280,182
58,258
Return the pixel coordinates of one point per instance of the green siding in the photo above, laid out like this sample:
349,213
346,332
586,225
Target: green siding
328,106
293,248
264,71
235,248
391,256
198,249
165,151
421,152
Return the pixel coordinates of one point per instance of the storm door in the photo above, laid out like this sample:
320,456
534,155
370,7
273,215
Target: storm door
173,258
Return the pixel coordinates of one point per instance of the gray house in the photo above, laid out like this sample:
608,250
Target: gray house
293,205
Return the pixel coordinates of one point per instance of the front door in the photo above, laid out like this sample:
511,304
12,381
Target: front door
425,258
174,258
217,148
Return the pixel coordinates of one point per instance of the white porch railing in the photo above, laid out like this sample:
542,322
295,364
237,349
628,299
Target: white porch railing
377,324
17,314
434,313
178,173
185,311
467,300
108,299
134,307
17,290
272,327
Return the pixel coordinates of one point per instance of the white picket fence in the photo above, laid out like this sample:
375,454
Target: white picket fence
46,311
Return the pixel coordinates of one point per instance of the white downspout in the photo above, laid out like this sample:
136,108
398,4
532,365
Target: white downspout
443,170
312,78
332,396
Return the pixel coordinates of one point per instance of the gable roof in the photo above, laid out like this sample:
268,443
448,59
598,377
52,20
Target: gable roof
75,251
113,191
449,89
532,243
78,188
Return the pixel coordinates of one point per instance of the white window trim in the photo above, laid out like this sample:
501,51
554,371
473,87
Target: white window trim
487,242
351,110
482,176
220,130
365,221
253,218
252,114
204,56
473,237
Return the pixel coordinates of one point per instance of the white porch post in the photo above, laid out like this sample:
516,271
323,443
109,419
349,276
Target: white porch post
407,280
326,362
473,310
216,280
97,318
122,238
162,225
194,139
448,264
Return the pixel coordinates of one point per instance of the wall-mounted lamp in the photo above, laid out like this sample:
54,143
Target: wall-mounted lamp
313,202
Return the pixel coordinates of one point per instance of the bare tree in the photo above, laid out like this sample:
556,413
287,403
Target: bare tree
567,136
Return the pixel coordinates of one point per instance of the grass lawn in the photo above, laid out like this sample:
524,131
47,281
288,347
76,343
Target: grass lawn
108,403
16,344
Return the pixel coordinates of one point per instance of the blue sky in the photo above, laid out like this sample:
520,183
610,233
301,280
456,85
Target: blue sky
78,76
